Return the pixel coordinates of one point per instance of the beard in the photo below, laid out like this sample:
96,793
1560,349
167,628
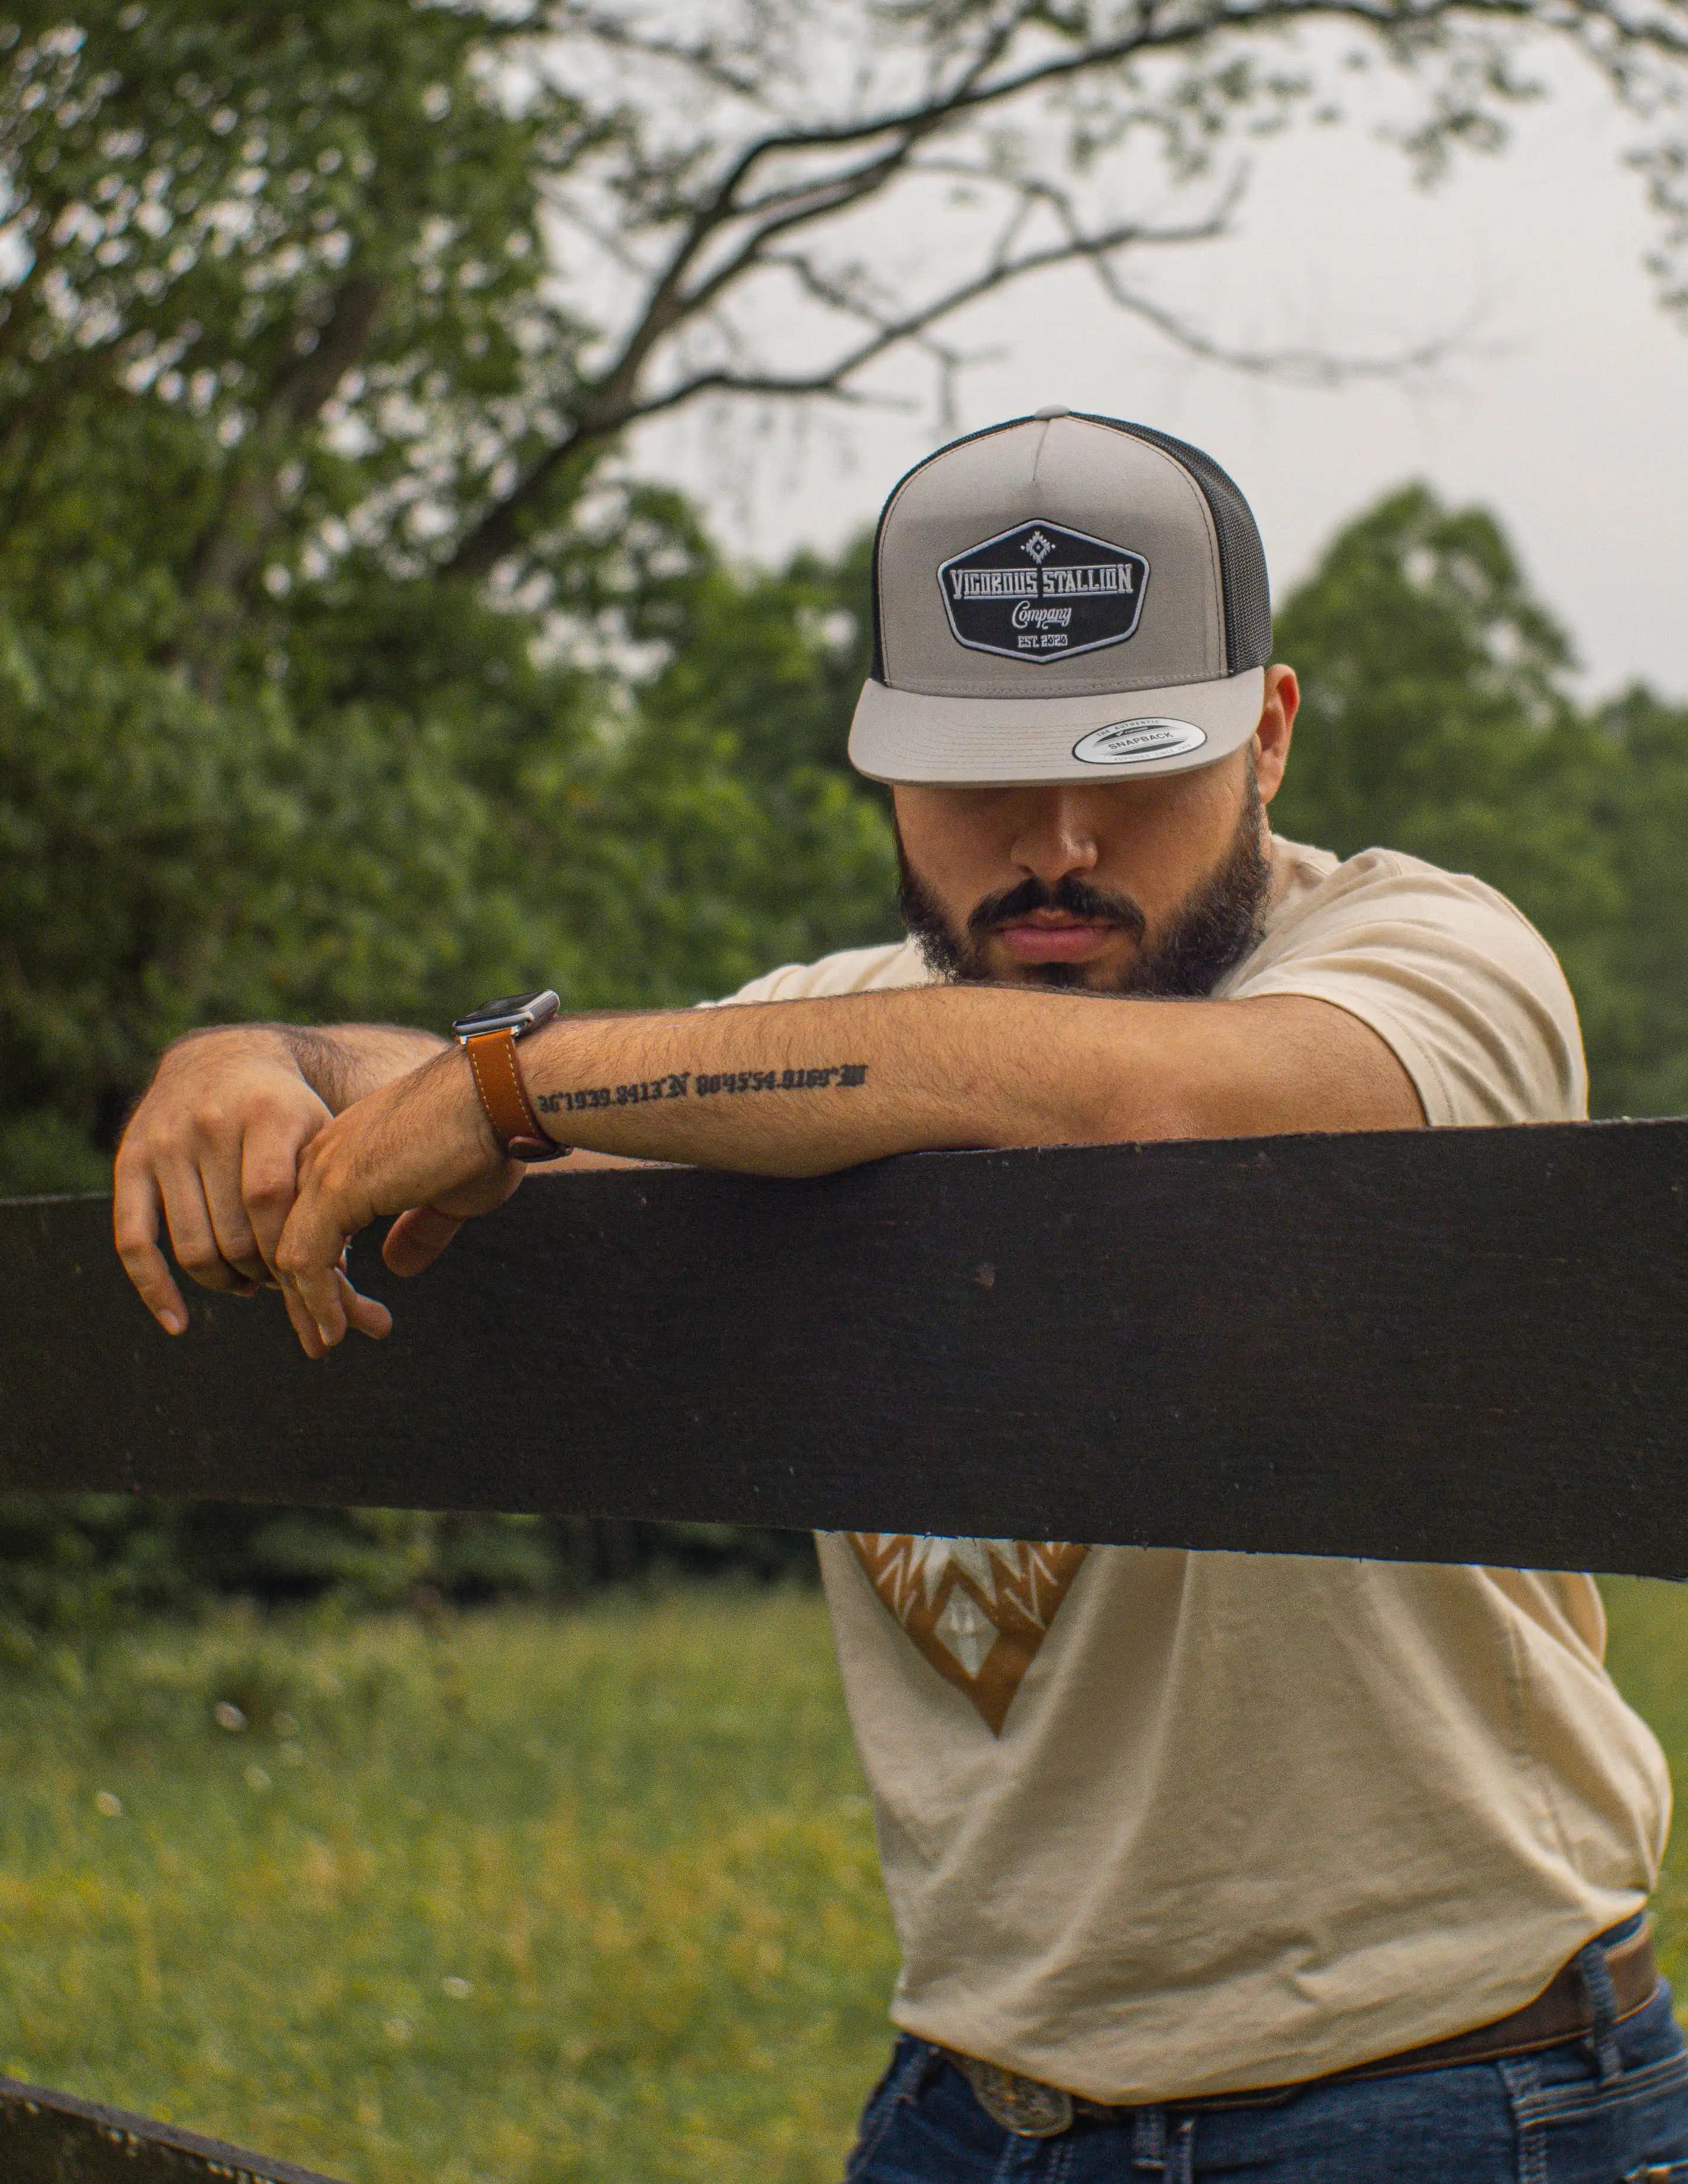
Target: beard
1207,935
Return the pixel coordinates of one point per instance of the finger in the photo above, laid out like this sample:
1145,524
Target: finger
304,1325
318,1290
417,1238
311,1256
368,1314
322,1317
219,1185
192,1237
269,1182
481,1194
136,1206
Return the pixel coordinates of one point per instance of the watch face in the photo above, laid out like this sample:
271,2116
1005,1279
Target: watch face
517,1012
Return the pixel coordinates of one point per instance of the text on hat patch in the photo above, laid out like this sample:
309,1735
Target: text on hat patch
1040,592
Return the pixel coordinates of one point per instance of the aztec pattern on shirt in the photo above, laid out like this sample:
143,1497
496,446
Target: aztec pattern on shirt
978,1609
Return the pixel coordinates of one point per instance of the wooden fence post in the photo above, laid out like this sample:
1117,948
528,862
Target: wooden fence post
53,2138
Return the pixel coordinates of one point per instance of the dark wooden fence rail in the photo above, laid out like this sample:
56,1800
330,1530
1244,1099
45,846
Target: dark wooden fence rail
1447,1345
53,2138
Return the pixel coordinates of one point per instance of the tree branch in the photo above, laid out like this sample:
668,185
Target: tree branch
727,236
228,550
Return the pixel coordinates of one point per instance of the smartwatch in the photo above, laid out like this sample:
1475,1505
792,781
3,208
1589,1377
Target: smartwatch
487,1036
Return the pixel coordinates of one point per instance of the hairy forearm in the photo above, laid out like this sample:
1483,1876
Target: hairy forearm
340,1062
802,1088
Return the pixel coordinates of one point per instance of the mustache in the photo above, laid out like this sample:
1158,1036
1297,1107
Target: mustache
1071,895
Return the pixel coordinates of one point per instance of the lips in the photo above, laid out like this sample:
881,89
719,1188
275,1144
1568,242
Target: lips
1064,940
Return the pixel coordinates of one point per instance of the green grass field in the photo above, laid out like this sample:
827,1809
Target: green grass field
502,1900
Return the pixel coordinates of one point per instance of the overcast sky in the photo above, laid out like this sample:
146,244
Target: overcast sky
1563,409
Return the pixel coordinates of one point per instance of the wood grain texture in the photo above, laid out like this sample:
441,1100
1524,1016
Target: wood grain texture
53,2138
1454,1346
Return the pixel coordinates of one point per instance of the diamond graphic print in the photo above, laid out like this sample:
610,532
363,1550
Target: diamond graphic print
978,1609
966,1630
1040,548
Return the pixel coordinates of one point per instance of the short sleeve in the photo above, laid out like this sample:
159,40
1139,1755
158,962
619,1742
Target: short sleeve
851,971
1464,990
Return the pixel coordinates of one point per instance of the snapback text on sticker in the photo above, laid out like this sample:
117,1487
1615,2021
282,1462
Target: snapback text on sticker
1136,743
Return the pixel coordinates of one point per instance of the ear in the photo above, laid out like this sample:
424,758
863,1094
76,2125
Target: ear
1277,725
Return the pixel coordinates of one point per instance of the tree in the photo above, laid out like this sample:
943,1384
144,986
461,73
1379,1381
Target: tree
1438,718
417,808
1640,808
397,276
326,599
257,757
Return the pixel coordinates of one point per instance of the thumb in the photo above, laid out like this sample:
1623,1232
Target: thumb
417,1238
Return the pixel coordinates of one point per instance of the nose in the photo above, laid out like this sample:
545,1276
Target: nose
1055,837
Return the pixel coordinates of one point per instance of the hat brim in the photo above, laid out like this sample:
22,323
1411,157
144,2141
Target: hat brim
913,736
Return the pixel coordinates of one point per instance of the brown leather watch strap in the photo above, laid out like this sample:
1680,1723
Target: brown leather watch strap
504,1097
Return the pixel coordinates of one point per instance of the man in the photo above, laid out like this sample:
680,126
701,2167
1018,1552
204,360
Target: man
1203,1864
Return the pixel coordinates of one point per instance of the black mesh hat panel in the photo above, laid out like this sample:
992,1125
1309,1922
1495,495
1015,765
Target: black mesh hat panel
1242,558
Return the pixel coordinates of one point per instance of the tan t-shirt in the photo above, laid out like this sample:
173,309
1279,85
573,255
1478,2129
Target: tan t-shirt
1156,1824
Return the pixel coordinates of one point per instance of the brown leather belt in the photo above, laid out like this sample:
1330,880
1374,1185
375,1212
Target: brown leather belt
1563,2010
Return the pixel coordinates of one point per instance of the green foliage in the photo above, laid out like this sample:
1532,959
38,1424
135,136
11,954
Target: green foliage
1431,685
75,1568
1438,718
733,835
167,858
275,263
429,814
276,301
1640,809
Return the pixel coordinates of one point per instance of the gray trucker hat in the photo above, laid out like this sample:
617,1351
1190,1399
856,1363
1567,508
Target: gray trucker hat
1063,597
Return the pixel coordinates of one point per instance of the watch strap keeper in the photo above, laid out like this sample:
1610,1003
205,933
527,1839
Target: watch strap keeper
504,1098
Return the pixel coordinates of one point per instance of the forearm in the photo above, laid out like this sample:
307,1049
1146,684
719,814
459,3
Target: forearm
802,1088
340,1062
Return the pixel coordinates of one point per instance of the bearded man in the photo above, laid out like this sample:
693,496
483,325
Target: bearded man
1204,1865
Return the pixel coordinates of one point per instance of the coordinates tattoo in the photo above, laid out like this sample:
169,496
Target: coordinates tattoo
687,1084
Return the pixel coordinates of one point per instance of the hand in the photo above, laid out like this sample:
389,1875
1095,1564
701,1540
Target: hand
213,1150
422,1148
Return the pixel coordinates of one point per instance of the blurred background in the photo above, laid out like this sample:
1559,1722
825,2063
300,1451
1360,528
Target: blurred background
438,447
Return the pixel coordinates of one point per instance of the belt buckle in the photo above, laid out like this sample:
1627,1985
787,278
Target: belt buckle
1025,2106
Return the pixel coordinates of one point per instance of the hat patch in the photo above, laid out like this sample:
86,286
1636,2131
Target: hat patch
1040,592
1135,743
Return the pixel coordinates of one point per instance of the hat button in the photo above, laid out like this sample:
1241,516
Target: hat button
1054,410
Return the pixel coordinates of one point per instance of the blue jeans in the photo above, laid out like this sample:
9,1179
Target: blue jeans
1546,2118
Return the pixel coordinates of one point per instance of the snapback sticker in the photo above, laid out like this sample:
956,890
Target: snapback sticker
1135,743
1041,592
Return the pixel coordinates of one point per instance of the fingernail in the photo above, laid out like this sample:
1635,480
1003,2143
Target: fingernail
172,1322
